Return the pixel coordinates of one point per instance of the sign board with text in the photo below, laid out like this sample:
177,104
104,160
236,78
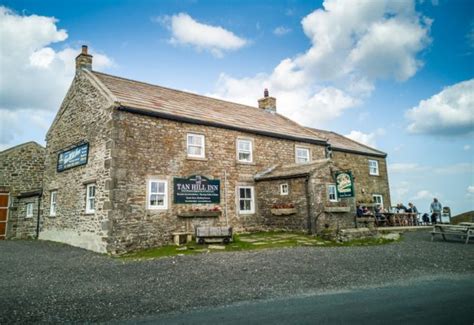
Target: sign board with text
344,184
74,157
196,190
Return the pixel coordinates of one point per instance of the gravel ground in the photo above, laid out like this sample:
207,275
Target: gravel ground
49,282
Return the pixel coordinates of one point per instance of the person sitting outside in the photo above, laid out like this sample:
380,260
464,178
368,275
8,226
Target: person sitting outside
414,211
401,208
360,211
380,217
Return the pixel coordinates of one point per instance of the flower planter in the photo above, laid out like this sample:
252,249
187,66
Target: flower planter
199,214
337,209
283,212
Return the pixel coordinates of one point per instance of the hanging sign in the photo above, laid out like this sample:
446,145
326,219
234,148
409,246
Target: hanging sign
74,157
344,184
196,190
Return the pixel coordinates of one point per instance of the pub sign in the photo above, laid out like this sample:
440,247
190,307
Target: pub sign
344,184
73,157
196,189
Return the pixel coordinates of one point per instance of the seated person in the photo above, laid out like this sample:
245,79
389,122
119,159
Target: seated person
411,208
401,208
379,213
360,212
365,210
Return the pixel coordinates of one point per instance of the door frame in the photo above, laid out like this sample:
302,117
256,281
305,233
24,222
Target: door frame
6,208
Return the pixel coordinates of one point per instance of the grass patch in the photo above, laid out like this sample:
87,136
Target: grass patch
253,241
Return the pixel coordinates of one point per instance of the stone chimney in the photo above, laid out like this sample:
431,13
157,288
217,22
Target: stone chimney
267,103
84,60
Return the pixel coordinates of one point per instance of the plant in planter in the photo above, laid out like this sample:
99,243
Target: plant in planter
283,209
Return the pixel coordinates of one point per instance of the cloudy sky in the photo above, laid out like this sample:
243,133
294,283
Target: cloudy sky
397,75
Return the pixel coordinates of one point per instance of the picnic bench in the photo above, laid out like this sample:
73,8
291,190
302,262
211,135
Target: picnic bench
463,231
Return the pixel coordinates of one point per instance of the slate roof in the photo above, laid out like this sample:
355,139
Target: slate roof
341,143
291,171
143,98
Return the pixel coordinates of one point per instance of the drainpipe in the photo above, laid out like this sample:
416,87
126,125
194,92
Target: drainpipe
308,205
38,217
225,198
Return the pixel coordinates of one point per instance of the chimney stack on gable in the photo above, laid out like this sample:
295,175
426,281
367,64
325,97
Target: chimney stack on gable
267,103
84,60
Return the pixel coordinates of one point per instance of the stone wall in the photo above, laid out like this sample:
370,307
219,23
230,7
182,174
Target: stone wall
268,194
150,147
21,170
25,227
366,185
85,116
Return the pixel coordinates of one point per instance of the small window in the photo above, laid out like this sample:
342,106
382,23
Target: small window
373,167
332,193
246,200
90,198
302,155
378,199
244,150
284,189
157,194
195,145
53,204
29,210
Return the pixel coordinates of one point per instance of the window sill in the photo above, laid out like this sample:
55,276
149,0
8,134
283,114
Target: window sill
29,217
244,213
196,158
88,213
374,174
251,163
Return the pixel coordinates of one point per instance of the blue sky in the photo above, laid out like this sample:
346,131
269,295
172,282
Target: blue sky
396,75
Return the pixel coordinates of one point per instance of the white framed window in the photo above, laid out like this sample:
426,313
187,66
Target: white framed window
246,199
244,150
302,155
29,210
195,145
284,189
373,167
53,203
378,199
90,198
332,193
157,194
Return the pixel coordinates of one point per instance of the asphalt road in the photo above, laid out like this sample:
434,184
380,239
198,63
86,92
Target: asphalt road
45,282
433,301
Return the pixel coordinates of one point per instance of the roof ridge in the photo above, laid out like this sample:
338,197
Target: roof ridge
363,145
177,90
22,145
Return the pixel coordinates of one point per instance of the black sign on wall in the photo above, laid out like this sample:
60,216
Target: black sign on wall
74,157
196,190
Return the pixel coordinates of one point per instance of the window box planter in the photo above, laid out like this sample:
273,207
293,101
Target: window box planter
337,209
283,212
199,214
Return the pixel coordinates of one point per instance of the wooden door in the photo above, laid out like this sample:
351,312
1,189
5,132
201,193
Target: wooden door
3,214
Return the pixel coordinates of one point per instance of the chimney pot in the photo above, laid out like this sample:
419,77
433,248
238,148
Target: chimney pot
267,103
84,60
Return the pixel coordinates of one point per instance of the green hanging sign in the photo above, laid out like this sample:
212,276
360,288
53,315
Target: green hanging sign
344,184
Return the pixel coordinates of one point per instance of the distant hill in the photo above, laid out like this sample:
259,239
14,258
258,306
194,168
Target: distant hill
463,217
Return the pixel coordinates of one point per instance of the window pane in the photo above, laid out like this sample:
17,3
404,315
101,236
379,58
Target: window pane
154,187
160,200
195,151
154,200
244,156
244,145
161,187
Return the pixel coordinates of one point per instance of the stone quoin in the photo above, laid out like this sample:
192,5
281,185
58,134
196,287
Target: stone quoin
142,140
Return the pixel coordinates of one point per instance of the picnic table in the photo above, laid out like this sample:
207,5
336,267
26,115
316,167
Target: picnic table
463,230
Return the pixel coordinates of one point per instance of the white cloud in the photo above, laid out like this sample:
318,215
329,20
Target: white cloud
34,77
467,147
369,139
423,194
470,191
450,112
281,30
405,167
459,168
350,50
187,31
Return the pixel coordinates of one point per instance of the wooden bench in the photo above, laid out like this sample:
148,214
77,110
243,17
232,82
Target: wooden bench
453,230
213,234
182,237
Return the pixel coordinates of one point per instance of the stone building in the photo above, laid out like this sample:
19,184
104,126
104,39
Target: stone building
21,175
128,163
